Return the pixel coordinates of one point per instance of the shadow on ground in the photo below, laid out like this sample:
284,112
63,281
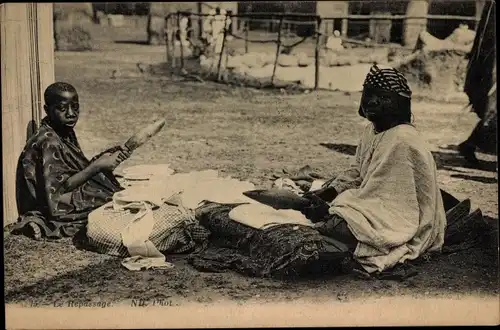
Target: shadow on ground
472,270
132,42
444,160
343,148
482,179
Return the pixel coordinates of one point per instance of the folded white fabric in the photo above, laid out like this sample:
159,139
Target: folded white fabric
317,184
288,184
135,238
147,172
196,187
135,197
218,190
140,263
258,216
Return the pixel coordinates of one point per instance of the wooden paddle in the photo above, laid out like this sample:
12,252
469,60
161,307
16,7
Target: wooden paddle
142,136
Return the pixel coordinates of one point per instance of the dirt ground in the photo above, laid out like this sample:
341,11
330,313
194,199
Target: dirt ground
248,134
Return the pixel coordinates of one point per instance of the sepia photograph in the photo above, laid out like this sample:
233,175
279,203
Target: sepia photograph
249,164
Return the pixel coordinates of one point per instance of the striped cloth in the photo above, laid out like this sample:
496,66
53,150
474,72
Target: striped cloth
388,79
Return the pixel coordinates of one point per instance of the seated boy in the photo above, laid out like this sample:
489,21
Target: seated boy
57,186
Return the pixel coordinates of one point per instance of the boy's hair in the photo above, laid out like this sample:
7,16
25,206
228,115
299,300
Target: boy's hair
55,89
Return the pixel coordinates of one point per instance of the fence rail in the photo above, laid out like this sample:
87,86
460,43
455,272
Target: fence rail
350,17
283,21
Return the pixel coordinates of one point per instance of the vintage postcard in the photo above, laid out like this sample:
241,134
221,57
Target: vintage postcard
249,164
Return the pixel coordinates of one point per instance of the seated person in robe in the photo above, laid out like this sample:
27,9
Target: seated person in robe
57,186
386,207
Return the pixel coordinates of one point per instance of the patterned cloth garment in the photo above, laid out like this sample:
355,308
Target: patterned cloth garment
285,250
49,158
388,79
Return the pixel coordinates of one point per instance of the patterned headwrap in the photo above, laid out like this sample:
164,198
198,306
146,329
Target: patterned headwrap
388,79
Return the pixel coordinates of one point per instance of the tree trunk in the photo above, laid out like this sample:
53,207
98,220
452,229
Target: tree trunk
413,27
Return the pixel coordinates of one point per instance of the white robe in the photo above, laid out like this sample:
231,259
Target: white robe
390,198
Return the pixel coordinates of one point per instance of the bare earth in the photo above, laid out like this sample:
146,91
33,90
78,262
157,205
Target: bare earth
248,134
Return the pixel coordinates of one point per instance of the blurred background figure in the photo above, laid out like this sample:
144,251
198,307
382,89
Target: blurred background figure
218,24
207,25
229,24
334,42
183,29
480,87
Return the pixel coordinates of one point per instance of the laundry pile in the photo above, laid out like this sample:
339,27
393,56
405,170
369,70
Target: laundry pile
154,215
212,219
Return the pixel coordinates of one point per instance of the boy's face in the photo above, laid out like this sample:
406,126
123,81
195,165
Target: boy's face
64,108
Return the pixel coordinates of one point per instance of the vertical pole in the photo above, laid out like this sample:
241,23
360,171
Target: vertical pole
172,43
45,52
345,26
372,27
34,68
200,19
167,40
316,54
221,51
54,32
278,48
247,29
180,41
287,26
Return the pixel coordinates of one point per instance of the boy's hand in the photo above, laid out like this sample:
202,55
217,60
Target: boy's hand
110,161
112,150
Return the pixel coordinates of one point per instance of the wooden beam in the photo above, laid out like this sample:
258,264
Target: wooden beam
27,48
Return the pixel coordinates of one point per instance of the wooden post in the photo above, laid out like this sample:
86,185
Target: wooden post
180,41
26,39
345,27
316,54
221,51
278,48
200,19
286,26
247,29
322,31
172,43
167,40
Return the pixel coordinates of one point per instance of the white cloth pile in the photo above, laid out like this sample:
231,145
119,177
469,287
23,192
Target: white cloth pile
151,186
261,216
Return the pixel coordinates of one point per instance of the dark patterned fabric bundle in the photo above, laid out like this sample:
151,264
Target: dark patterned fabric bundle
278,251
